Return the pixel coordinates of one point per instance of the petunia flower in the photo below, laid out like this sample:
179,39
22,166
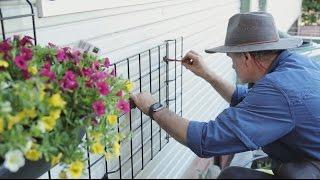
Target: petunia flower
123,106
20,62
14,160
107,62
99,108
69,81
61,55
103,88
26,40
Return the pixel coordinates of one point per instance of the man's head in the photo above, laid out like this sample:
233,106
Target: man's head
253,42
251,66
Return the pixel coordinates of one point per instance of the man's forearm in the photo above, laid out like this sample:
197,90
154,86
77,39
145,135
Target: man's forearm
173,124
224,88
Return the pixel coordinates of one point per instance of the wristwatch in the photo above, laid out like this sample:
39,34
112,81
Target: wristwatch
155,108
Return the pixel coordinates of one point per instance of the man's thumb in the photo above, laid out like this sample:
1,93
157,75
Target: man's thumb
133,99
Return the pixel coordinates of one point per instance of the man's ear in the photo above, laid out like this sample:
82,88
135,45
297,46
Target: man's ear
247,58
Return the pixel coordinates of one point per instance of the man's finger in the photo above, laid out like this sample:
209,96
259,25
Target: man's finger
132,100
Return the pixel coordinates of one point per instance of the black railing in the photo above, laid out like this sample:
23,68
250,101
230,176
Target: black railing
5,18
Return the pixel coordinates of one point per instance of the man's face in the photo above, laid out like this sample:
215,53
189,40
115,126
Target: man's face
241,64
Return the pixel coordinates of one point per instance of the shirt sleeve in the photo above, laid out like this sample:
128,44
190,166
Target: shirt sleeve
239,94
262,117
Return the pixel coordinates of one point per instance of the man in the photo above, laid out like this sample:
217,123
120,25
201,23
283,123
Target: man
279,113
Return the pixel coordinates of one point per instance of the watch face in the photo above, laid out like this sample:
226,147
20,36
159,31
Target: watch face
157,106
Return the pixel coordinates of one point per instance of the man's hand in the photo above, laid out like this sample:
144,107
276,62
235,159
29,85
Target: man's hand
143,101
194,62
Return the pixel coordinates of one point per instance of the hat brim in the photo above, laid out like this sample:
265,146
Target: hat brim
283,43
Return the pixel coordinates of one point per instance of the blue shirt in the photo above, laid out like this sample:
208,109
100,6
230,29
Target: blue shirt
280,113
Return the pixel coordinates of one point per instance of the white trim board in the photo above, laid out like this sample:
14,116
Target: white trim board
60,7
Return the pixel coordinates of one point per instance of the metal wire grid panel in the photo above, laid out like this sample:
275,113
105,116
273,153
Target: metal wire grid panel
3,19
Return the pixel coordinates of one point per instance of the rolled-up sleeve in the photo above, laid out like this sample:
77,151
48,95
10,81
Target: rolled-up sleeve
261,118
238,95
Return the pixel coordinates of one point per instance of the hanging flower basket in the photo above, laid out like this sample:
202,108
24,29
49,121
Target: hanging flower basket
47,96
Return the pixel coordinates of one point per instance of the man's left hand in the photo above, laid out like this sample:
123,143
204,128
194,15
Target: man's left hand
143,101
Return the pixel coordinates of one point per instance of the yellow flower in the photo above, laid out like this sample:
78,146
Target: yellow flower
97,148
49,122
33,70
57,101
95,136
1,125
75,169
112,119
56,159
4,63
116,149
16,119
118,137
33,155
32,113
41,95
129,86
55,114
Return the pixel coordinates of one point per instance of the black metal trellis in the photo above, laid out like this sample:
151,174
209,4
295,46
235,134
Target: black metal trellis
150,73
167,75
3,19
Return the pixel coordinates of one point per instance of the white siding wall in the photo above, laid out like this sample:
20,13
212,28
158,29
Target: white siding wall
124,31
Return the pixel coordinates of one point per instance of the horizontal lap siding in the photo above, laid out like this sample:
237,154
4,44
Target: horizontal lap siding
124,31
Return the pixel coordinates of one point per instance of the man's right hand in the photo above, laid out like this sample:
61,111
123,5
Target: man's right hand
194,62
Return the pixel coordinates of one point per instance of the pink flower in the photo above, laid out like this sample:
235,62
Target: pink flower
107,62
45,71
120,94
5,47
99,108
123,106
26,53
87,72
103,88
61,55
26,40
95,65
99,76
20,62
69,81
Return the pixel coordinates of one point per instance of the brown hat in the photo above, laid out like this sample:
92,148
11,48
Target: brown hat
254,31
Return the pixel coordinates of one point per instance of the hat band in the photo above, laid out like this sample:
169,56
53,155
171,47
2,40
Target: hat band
251,43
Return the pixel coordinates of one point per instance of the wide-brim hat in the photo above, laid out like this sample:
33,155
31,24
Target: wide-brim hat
254,31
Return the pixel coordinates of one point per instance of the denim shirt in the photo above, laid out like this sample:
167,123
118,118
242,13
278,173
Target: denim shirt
280,114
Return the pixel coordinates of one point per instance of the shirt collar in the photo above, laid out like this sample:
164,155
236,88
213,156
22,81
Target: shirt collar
284,54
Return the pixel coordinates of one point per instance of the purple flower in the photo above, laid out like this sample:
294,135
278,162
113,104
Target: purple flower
107,62
99,108
103,88
26,53
95,65
87,72
89,84
5,47
69,81
99,76
123,106
61,55
20,62
26,40
45,71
